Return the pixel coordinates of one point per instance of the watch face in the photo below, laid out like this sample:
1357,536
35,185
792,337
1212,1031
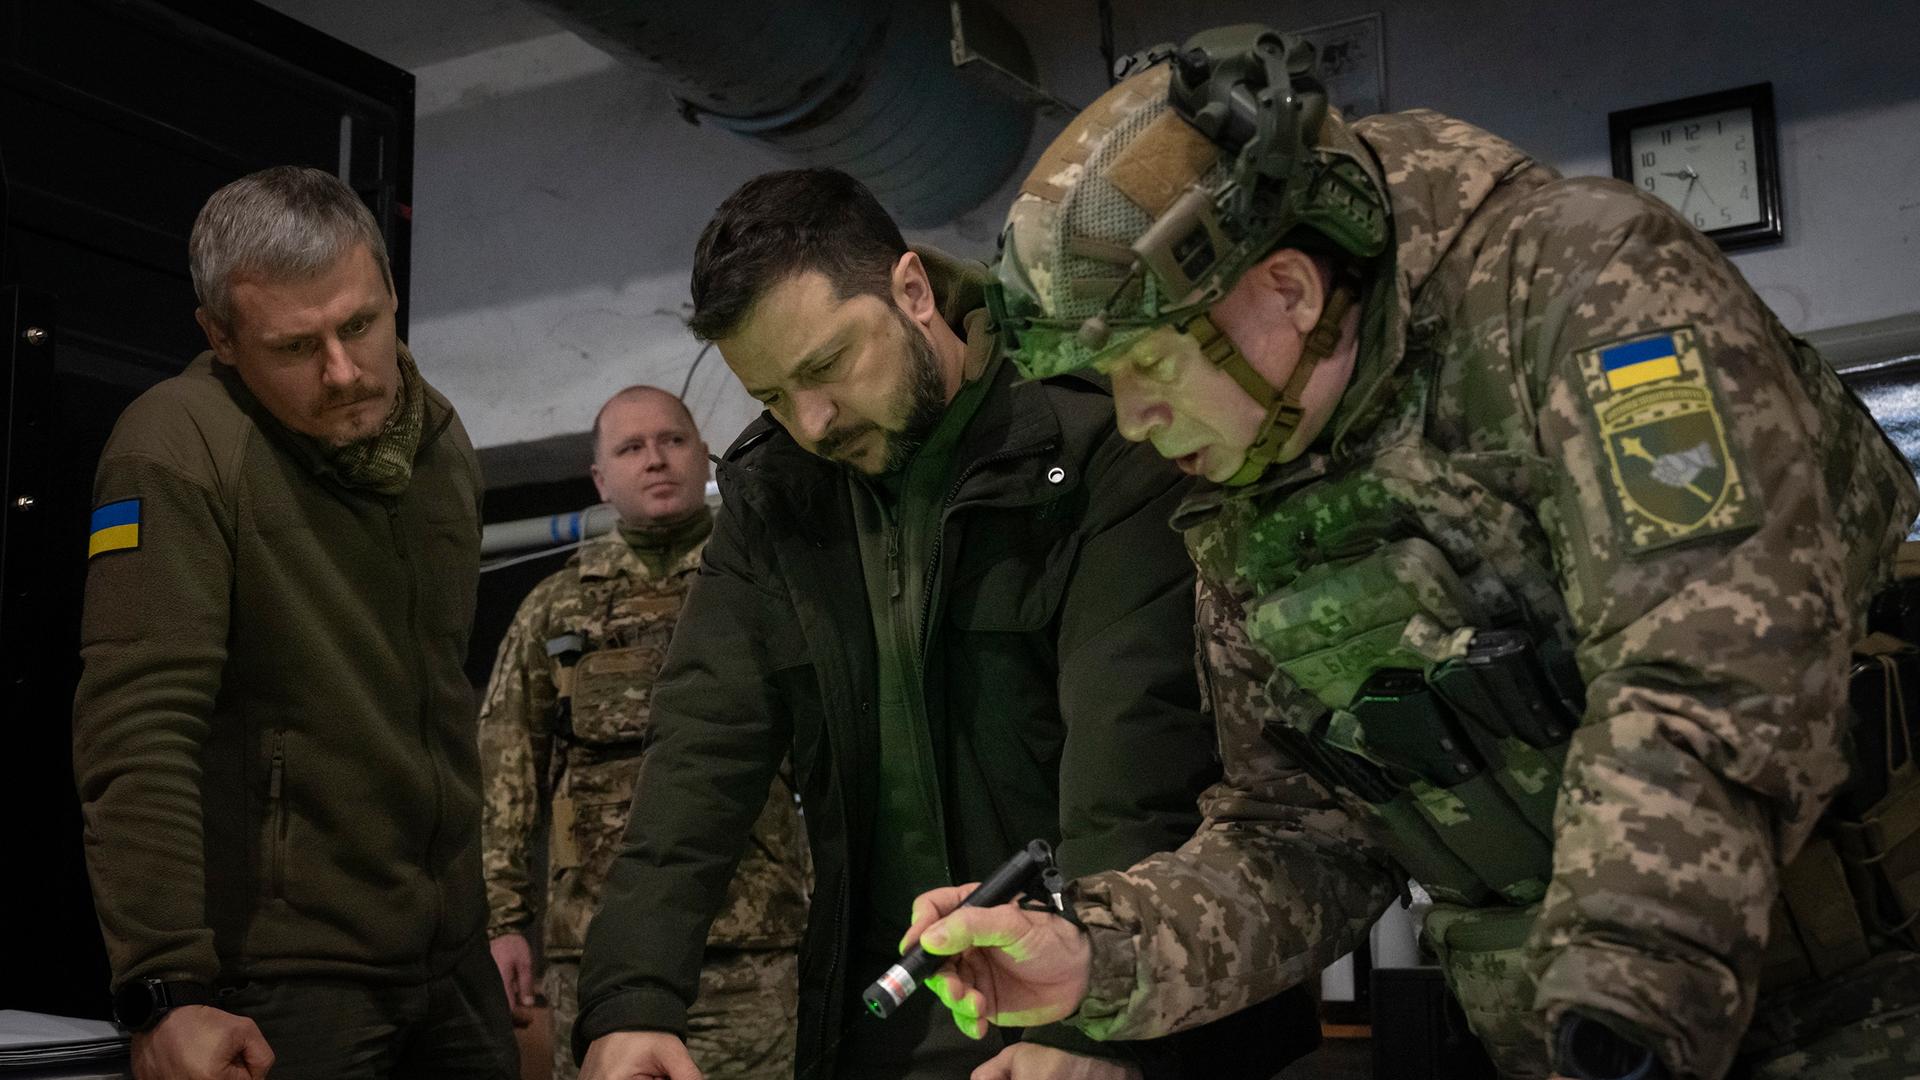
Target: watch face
134,1004
1706,167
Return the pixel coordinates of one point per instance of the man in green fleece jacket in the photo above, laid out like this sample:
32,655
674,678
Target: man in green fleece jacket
273,737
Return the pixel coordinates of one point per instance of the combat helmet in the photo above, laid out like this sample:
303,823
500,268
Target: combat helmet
1153,202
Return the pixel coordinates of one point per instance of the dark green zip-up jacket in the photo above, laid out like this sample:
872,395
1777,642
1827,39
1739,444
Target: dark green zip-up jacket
273,737
1059,676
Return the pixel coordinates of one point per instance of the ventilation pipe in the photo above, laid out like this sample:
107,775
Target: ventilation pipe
882,90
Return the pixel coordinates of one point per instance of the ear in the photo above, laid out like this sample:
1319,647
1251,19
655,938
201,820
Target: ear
599,482
912,292
217,337
1294,278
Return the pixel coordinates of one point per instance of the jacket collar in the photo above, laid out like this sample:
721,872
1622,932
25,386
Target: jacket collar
609,556
1437,172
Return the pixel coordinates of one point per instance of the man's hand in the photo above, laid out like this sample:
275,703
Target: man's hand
638,1055
1009,965
514,958
200,1042
1029,1061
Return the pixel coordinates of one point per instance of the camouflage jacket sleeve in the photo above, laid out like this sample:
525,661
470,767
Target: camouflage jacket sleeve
516,747
1277,883
1715,653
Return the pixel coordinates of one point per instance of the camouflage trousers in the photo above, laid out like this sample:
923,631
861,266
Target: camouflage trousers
741,1027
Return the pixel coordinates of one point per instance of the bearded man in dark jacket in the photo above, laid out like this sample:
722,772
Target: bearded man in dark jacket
954,597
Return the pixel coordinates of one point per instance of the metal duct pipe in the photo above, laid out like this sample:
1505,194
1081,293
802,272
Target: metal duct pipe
867,86
556,530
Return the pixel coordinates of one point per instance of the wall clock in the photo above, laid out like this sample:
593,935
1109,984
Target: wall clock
1713,158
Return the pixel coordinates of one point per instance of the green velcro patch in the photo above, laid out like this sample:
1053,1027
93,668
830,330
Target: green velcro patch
1672,476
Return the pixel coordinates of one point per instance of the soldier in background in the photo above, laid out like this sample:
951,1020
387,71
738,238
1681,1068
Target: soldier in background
562,730
1530,570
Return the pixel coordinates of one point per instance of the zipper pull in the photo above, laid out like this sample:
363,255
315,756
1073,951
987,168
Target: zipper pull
894,582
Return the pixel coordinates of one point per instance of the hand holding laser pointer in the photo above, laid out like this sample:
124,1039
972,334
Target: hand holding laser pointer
1005,963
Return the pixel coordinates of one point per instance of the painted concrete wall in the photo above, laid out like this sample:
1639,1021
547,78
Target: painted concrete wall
558,196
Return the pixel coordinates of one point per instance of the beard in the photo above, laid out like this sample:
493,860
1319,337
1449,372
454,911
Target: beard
920,404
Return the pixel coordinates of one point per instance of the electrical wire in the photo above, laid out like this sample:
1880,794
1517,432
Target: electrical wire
693,367
515,560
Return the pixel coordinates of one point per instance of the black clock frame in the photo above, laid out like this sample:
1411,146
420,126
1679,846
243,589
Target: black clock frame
1766,146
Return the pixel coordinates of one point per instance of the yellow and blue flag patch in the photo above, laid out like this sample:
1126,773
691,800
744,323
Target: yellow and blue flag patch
1631,363
116,527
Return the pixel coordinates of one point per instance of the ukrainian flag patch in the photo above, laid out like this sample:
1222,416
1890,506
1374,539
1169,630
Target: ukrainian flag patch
116,527
1672,472
1632,363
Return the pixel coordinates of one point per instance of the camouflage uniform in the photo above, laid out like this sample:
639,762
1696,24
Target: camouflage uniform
616,615
1690,545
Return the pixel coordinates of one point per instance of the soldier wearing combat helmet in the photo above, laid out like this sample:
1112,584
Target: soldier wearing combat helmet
1531,569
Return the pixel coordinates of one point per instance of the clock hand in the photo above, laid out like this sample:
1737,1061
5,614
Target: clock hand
1688,175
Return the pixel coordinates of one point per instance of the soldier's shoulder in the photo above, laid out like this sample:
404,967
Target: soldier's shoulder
557,592
189,423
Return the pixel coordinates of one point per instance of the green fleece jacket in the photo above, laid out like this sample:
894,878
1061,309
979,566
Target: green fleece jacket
273,738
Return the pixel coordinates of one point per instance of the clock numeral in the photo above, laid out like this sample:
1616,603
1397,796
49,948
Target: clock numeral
1739,142
1726,215
1719,127
1699,219
1647,183
1746,192
1743,166
1666,136
1692,130
1646,158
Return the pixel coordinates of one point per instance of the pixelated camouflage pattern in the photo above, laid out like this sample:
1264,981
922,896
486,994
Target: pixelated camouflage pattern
742,1026
581,788
1715,667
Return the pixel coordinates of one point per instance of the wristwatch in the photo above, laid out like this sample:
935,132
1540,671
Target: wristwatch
139,1004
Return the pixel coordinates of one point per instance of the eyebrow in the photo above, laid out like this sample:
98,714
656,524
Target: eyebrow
810,360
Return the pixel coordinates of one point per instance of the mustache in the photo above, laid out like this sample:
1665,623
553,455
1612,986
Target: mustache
349,395
833,442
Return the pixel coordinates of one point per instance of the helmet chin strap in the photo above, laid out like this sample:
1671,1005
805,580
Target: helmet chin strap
1283,405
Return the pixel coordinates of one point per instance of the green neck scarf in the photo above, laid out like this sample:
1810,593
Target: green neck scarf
384,463
662,546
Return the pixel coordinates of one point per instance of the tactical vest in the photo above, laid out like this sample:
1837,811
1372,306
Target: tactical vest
1418,602
603,664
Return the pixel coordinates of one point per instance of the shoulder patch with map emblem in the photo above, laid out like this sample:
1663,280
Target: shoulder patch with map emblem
1672,473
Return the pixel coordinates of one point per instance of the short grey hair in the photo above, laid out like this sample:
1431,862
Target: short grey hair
287,223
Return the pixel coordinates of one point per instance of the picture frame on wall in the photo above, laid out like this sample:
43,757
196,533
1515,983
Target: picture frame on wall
1353,63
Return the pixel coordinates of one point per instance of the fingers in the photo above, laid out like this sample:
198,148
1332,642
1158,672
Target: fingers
931,905
998,1067
521,989
980,928
255,1055
962,999
678,1063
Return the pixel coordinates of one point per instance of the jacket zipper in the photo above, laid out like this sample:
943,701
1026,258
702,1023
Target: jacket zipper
276,800
425,714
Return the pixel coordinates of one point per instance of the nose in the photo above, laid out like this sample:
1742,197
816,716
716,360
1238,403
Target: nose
1138,411
338,368
813,414
652,458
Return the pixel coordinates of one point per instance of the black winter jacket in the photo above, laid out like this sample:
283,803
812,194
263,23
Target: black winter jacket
1059,679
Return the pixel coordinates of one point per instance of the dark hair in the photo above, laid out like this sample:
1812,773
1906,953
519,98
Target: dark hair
785,223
